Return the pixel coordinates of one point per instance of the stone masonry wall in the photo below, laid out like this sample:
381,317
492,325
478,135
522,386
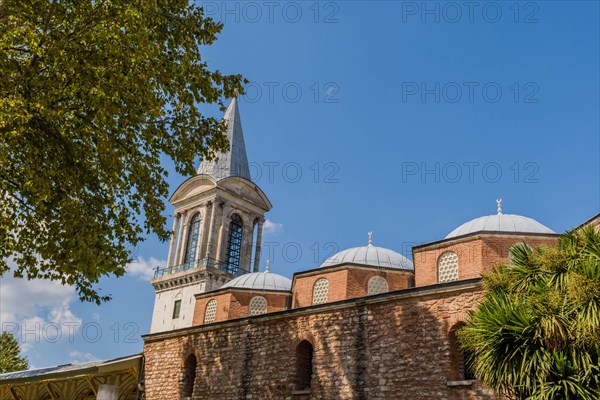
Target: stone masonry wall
394,346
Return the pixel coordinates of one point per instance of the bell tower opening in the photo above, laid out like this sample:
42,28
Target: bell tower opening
234,246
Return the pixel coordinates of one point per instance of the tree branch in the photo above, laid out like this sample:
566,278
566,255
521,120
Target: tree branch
49,18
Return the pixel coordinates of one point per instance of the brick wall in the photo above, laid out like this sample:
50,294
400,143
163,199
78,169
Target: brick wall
233,304
302,286
346,282
240,301
475,254
223,299
389,347
495,249
469,260
358,279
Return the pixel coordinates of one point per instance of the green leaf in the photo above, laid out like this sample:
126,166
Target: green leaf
92,95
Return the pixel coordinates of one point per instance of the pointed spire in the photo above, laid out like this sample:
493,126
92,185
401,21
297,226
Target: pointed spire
235,161
370,238
499,204
268,265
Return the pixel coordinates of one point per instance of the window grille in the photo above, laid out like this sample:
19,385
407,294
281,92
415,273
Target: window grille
376,285
258,306
448,267
320,291
211,312
192,241
234,247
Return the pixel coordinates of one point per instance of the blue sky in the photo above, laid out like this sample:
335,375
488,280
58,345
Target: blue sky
401,120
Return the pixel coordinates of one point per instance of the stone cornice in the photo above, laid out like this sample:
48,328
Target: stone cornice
196,200
187,277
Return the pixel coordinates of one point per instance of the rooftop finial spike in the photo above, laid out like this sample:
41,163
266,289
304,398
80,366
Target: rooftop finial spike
235,161
499,203
268,265
370,238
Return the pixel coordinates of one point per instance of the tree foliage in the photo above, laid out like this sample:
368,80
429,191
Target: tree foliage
10,360
92,94
536,335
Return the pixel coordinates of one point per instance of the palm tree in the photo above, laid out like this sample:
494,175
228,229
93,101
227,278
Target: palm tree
536,335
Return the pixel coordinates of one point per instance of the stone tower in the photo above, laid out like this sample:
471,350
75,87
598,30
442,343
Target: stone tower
217,230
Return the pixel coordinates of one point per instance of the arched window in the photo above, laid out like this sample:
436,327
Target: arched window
448,267
210,314
191,244
304,365
234,247
258,306
189,377
376,285
320,291
458,357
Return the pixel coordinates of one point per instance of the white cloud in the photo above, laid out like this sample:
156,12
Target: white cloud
25,347
79,357
144,269
24,298
37,310
271,228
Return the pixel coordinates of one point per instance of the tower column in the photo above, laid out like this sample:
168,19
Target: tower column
214,217
246,253
258,244
222,230
201,245
176,220
182,239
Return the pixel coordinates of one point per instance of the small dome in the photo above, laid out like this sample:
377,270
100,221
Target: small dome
260,281
370,255
500,223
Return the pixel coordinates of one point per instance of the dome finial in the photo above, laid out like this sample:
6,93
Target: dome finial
268,265
499,203
370,238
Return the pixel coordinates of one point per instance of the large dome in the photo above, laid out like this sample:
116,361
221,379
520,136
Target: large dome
260,281
500,223
370,255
